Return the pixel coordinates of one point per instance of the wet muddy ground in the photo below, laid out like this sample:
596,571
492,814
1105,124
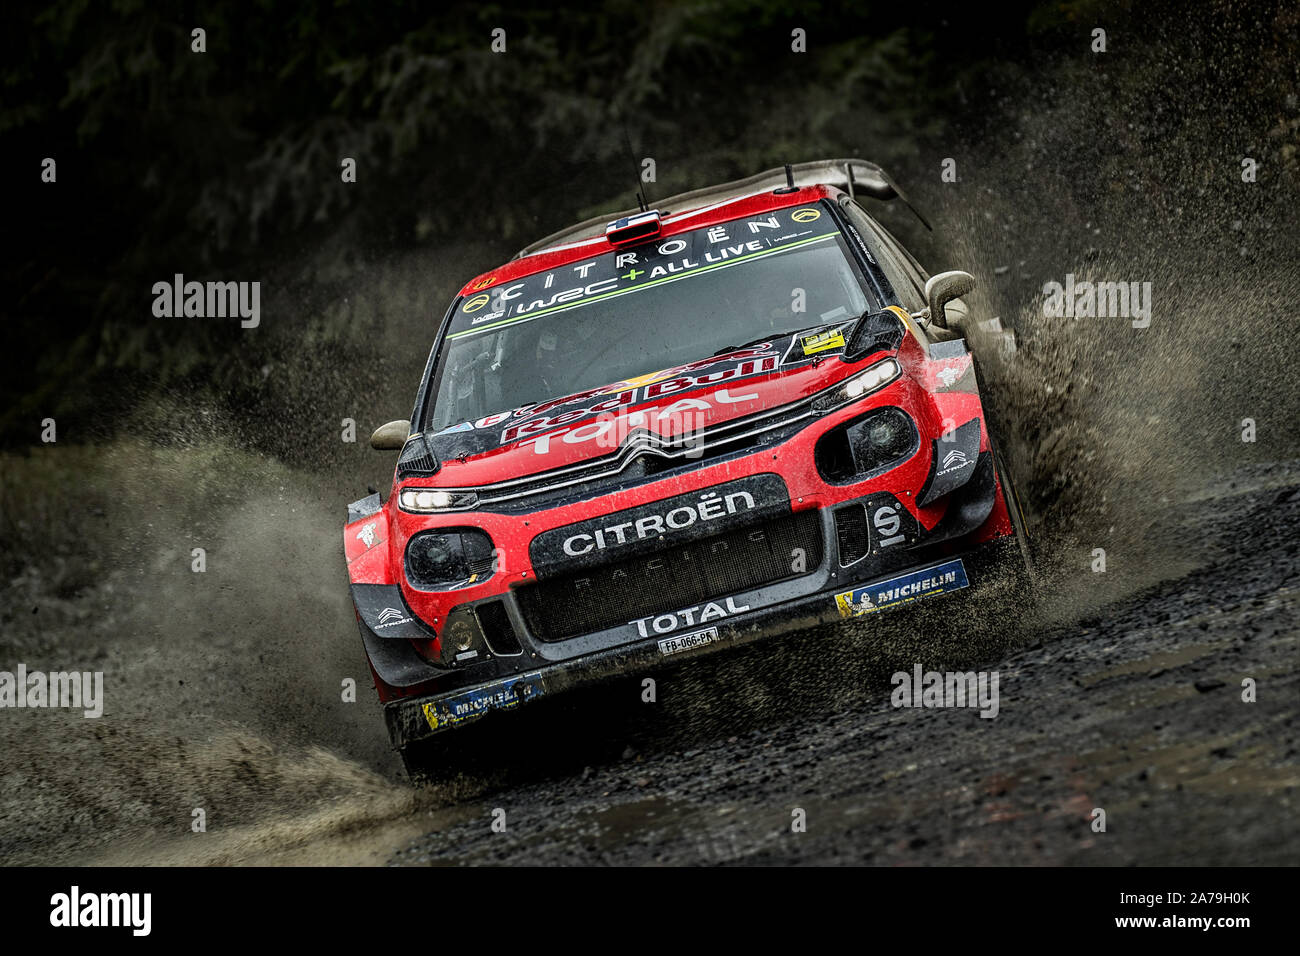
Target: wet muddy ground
1131,704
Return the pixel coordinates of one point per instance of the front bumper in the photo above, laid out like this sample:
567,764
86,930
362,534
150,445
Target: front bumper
779,554
828,595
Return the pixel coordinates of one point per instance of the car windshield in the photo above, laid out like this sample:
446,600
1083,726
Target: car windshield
637,310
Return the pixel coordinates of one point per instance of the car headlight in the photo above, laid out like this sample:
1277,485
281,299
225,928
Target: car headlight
443,560
864,383
882,438
430,500
868,444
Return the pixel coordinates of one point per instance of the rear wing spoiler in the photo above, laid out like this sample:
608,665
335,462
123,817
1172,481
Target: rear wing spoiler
857,177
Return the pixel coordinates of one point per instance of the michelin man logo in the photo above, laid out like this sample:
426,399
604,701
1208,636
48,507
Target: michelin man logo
367,535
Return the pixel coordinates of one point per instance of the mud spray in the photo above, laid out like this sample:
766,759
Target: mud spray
1107,172
225,688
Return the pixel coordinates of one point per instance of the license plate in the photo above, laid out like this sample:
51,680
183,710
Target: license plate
686,642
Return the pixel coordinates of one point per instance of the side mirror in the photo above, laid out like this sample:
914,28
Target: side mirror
390,437
943,288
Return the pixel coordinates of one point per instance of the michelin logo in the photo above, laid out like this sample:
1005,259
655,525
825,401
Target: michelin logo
940,579
501,695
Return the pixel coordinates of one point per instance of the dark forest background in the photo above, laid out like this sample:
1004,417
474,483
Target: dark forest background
226,164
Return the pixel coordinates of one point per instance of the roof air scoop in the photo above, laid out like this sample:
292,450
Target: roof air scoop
635,227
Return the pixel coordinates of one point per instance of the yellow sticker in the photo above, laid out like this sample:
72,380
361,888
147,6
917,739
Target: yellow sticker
483,283
822,341
476,303
845,603
637,382
806,215
431,716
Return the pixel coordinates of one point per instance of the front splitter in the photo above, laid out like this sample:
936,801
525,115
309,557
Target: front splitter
414,719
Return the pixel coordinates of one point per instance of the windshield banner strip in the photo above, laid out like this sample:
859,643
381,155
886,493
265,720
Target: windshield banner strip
611,293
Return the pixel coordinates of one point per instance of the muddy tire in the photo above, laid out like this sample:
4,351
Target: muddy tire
1017,516
427,761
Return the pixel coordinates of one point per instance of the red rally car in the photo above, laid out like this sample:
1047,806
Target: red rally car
672,433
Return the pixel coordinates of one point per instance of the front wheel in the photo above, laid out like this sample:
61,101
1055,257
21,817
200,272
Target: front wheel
436,761
1017,517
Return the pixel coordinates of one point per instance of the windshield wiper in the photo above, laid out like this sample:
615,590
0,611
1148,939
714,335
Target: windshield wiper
762,338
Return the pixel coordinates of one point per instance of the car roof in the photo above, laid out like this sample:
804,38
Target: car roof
673,223
763,192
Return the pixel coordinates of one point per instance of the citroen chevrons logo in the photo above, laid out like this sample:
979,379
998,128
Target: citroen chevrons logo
955,460
710,507
391,617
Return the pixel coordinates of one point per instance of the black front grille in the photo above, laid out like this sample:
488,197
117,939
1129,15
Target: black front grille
673,579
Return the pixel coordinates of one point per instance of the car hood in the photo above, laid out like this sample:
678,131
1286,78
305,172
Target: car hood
667,407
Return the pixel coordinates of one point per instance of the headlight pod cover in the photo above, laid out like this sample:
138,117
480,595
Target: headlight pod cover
864,383
450,558
433,500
